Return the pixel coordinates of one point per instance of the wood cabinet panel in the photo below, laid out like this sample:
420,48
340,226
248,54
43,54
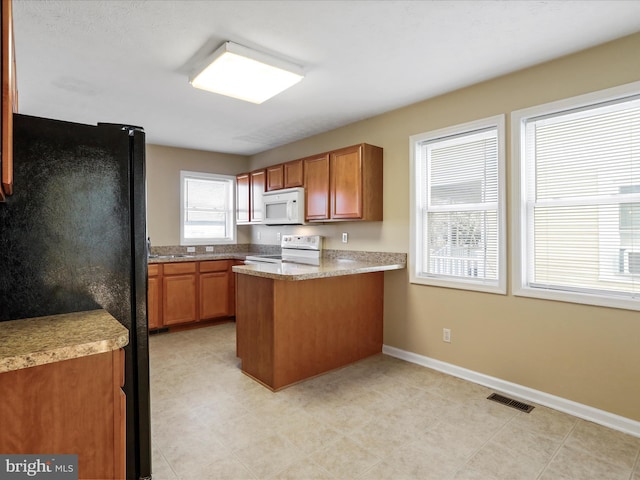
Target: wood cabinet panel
258,183
9,103
187,292
275,177
73,406
346,183
179,268
342,324
214,295
179,299
294,174
317,183
243,198
154,317
214,266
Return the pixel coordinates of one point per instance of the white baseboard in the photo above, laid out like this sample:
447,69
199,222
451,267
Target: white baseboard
521,392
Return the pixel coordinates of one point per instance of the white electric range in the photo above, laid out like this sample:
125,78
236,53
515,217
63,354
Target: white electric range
305,249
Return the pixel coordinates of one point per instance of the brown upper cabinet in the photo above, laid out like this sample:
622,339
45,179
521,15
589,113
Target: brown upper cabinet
249,189
243,198
316,192
285,175
341,185
356,183
9,103
293,174
275,177
344,185
258,181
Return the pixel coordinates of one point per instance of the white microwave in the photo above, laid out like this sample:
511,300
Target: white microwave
284,207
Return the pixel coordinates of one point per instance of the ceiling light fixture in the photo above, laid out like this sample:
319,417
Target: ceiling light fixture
239,72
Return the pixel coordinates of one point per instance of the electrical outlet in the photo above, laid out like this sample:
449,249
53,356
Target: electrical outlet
446,335
259,235
345,237
191,249
278,236
208,249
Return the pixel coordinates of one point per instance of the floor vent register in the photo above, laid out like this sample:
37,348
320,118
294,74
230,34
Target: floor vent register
510,402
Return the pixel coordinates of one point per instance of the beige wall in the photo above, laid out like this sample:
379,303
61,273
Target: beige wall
587,354
163,165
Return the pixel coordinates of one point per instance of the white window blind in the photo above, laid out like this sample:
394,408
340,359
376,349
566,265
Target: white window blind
206,208
459,208
581,199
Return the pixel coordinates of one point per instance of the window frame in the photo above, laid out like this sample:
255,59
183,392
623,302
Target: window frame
519,208
498,286
231,220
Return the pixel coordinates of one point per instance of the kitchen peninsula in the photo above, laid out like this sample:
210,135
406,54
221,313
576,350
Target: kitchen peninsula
297,321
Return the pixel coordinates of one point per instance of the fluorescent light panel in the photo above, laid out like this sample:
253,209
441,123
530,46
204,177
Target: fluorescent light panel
239,72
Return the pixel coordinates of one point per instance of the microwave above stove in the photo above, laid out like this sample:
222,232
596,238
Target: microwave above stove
284,207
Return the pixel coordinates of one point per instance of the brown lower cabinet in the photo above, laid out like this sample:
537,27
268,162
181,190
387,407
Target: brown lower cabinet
183,293
72,406
331,322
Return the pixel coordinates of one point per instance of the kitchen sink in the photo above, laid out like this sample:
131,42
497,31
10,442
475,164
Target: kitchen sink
172,256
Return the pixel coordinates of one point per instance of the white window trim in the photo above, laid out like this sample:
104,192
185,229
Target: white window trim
208,241
519,251
415,253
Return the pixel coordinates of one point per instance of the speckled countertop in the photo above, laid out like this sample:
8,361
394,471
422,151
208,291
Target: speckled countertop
37,341
329,267
197,258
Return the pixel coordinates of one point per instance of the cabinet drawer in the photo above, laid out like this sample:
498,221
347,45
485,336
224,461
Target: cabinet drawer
154,270
179,268
214,266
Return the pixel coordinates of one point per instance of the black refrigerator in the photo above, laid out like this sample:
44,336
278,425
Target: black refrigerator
72,238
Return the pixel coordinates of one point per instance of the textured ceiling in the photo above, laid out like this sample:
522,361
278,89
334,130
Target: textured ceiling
127,61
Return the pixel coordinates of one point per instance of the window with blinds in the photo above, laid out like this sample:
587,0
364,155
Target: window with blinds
207,208
580,203
458,207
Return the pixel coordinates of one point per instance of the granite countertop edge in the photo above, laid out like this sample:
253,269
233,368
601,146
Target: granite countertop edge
31,342
328,268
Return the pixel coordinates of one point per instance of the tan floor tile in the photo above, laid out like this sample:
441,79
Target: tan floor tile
520,440
380,418
422,460
546,421
345,459
604,443
305,469
467,473
239,432
226,468
572,463
160,468
269,455
308,435
496,460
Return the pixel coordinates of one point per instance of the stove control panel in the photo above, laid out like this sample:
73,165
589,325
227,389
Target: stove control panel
302,242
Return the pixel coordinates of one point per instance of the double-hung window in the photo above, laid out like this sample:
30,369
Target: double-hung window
457,207
206,209
577,199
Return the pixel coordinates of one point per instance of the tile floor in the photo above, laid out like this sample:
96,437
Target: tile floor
381,418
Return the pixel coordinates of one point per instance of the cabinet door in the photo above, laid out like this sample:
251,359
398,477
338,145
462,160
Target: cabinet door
242,198
275,177
346,183
153,303
294,174
258,181
316,182
9,103
179,299
214,295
